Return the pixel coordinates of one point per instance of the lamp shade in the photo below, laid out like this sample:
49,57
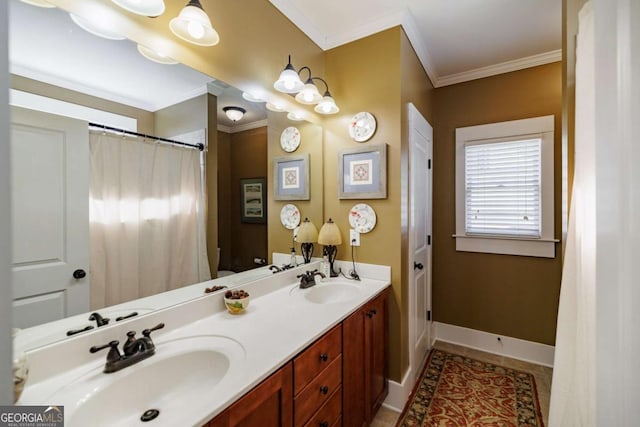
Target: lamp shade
234,113
289,80
327,105
151,8
309,94
193,25
307,233
39,3
330,234
155,56
96,27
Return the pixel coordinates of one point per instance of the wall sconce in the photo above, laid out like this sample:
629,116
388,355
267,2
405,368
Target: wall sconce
193,25
307,236
306,93
150,8
155,56
234,113
330,237
96,27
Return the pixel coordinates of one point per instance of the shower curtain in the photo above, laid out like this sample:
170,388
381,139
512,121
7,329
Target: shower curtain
573,389
146,218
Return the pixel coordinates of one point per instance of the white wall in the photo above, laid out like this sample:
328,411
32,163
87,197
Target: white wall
617,72
6,382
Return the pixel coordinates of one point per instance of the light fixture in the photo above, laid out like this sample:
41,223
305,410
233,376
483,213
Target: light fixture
330,237
327,105
96,28
251,97
306,93
289,80
39,3
307,236
296,117
234,113
276,107
151,8
193,25
155,56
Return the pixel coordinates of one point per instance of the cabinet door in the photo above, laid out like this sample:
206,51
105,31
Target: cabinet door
268,404
375,343
353,396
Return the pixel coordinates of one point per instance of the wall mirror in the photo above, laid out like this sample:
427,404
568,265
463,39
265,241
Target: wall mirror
63,71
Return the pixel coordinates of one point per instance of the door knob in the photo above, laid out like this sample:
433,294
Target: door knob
418,265
79,274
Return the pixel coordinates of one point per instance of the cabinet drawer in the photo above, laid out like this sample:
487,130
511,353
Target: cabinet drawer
317,392
317,357
329,413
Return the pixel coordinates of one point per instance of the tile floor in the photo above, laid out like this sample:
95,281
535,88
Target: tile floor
388,418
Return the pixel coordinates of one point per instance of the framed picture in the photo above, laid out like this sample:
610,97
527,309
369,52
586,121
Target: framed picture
253,196
362,172
291,177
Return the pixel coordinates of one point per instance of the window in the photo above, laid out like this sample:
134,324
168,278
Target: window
504,188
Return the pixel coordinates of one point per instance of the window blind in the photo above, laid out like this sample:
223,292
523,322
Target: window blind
503,186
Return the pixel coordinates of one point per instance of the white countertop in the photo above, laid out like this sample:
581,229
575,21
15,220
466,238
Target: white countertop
276,326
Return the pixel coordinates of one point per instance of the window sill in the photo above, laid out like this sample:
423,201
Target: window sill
543,248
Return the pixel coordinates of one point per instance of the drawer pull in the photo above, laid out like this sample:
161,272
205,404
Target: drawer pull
324,389
324,357
324,424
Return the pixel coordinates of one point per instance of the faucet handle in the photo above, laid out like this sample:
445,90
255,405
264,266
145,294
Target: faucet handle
97,348
147,332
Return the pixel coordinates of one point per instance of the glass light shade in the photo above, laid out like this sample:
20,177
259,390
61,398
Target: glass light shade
296,117
251,97
39,3
330,234
327,105
151,8
193,25
309,94
96,28
289,81
155,56
275,107
307,233
234,113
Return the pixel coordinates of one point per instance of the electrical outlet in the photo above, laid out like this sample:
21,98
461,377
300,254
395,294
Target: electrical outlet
354,237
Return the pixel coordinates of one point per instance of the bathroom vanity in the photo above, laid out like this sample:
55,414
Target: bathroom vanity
300,357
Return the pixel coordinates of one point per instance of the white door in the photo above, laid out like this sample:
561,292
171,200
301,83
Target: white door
420,149
50,223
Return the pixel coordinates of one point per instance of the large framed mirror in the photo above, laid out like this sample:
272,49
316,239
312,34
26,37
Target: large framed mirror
62,79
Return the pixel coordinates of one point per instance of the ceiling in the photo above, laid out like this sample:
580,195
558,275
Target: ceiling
456,40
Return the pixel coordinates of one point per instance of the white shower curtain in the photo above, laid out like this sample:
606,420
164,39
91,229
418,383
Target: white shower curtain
146,222
573,388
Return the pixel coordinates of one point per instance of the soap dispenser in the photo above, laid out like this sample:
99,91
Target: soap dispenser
293,261
325,267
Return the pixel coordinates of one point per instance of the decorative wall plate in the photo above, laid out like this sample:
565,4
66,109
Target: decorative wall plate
362,127
290,139
290,216
362,218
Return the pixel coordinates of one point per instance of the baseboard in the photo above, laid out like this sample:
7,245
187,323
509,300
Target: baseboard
399,392
515,348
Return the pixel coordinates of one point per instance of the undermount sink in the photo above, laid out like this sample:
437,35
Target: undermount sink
330,293
179,377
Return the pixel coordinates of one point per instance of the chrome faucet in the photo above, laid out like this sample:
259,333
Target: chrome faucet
308,279
134,350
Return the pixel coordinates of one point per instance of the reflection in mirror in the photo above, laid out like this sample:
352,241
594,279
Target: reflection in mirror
71,78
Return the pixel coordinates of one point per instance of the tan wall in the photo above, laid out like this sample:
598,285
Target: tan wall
311,143
240,155
507,295
211,180
183,117
145,118
365,76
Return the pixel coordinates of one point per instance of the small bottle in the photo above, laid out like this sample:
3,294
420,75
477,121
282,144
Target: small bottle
325,267
293,261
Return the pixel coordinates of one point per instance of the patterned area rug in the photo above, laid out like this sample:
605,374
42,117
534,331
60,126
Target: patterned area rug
456,391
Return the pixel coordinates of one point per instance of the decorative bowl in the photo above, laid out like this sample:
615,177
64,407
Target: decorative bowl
236,302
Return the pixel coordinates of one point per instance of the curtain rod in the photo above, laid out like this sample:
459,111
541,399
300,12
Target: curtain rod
156,138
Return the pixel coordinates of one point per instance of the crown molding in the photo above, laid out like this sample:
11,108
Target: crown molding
300,20
382,23
243,127
501,68
410,28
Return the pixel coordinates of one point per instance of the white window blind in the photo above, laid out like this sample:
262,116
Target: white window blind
502,188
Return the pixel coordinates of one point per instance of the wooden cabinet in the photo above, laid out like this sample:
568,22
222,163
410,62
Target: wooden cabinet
268,404
364,383
339,380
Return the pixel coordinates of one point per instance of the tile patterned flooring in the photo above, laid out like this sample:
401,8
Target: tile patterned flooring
542,374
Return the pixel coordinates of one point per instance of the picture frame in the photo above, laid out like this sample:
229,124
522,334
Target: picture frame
253,199
291,177
362,172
